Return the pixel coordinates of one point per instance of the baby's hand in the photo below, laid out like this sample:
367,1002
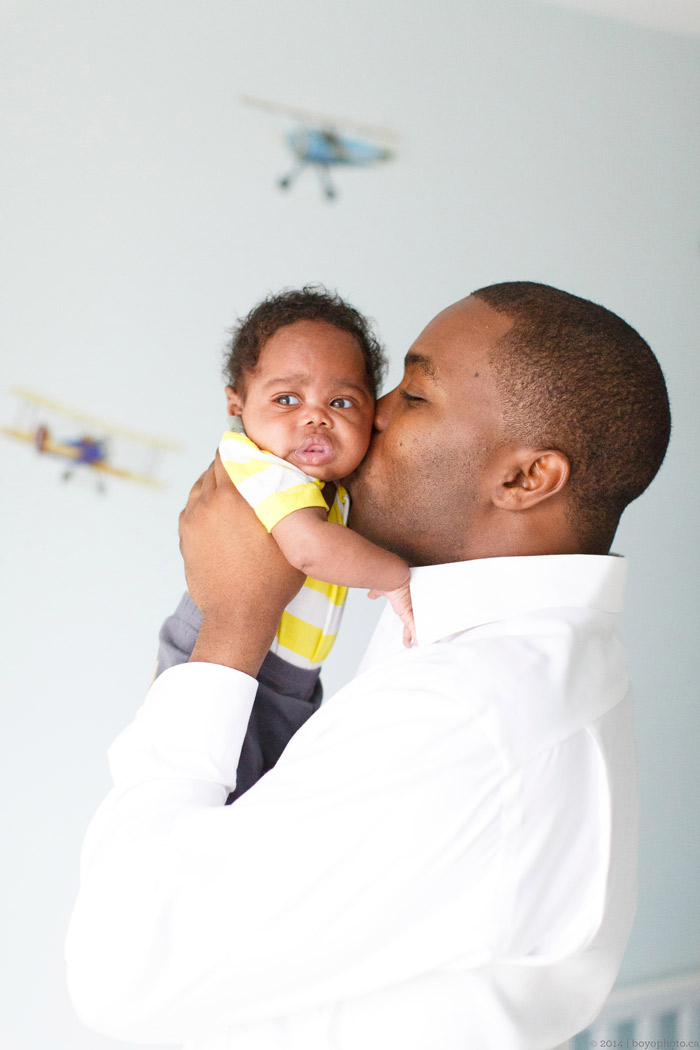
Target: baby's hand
400,599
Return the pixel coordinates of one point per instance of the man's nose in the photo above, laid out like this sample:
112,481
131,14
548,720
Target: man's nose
383,409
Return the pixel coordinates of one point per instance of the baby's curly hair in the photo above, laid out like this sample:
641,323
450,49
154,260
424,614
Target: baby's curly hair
310,303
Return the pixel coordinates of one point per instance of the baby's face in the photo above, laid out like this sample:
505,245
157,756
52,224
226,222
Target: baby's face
308,400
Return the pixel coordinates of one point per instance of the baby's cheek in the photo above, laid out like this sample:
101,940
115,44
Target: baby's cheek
357,450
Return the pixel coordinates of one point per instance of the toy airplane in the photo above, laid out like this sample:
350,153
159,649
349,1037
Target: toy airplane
317,143
90,447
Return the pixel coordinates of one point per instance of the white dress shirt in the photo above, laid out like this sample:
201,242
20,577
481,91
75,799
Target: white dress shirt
442,859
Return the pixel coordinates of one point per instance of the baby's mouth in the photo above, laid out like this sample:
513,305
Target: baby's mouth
315,450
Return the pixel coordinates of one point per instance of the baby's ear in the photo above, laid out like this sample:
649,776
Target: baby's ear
234,403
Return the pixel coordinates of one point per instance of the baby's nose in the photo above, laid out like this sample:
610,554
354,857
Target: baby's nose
317,412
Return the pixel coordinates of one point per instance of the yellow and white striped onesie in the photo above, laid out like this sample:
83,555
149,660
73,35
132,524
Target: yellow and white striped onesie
275,488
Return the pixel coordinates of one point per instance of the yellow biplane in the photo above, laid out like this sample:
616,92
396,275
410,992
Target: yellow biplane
90,447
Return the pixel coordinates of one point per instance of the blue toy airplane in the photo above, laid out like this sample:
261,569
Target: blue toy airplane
90,448
317,143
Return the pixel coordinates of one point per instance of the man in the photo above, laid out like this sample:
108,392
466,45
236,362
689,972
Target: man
443,856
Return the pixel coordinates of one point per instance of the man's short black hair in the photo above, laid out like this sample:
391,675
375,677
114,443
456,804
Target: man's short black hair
575,377
311,303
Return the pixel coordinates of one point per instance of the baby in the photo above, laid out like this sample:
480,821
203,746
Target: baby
303,370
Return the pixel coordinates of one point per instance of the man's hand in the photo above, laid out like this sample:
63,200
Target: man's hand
235,572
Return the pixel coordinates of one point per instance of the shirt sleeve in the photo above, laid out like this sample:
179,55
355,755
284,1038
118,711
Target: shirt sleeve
286,696
334,876
272,487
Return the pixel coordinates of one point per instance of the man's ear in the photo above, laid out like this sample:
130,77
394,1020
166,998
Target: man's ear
531,477
234,403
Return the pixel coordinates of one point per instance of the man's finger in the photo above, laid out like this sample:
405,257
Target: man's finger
220,475
194,492
221,480
207,480
202,485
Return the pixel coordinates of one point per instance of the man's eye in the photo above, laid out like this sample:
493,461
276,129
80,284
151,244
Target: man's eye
411,398
287,399
341,402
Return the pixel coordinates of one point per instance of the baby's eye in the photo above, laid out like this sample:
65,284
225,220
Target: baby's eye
287,399
341,402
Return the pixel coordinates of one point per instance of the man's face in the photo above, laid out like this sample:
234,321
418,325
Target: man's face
438,444
308,400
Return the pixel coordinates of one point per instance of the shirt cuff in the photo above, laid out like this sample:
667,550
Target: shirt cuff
192,725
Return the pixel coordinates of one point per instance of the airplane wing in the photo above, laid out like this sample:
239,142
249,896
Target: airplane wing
55,448
321,120
98,424
128,475
66,451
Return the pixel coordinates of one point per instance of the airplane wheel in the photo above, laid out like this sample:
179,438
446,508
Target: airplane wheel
283,184
330,193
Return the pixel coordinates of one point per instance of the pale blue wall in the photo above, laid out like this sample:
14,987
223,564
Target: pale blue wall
140,218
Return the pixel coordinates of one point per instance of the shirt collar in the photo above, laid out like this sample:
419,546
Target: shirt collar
454,597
